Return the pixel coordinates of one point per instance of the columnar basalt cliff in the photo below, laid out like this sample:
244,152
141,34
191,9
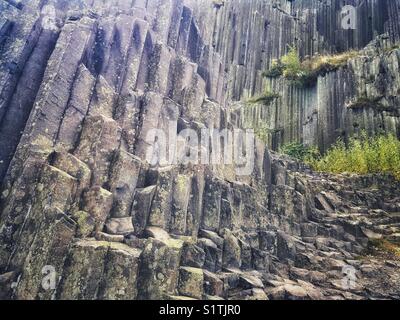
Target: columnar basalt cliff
82,83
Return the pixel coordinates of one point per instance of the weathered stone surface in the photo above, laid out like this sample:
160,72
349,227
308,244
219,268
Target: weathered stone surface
99,139
213,285
141,207
77,108
6,281
191,282
101,236
159,269
20,99
160,212
53,195
192,256
248,281
231,257
53,94
74,167
213,261
120,273
103,100
119,226
78,100
84,271
211,204
123,185
100,270
180,203
286,248
251,294
46,254
85,223
97,202
195,207
152,105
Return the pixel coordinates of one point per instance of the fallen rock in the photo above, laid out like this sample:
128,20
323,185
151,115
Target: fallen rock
191,282
119,226
193,256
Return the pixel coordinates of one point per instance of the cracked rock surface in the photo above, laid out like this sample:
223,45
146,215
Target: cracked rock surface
83,82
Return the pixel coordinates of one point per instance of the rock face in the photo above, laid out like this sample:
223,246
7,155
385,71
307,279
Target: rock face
83,215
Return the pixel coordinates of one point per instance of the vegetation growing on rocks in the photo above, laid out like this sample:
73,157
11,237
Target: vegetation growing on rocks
266,98
365,155
275,71
365,102
383,246
305,73
300,151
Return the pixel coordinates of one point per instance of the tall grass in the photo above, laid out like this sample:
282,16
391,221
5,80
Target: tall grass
365,155
306,73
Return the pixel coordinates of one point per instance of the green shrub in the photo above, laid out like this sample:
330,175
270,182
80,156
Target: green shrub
291,67
300,151
365,155
266,98
275,71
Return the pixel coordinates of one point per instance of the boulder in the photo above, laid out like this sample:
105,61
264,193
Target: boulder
191,282
119,226
192,256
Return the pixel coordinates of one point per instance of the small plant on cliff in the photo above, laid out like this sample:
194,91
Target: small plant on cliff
266,98
300,151
383,247
363,102
364,155
275,71
370,103
321,64
292,67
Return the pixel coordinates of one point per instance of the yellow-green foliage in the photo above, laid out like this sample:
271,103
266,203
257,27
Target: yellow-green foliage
366,155
329,62
377,246
291,63
307,72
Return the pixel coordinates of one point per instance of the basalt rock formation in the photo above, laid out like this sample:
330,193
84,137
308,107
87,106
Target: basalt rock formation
84,216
